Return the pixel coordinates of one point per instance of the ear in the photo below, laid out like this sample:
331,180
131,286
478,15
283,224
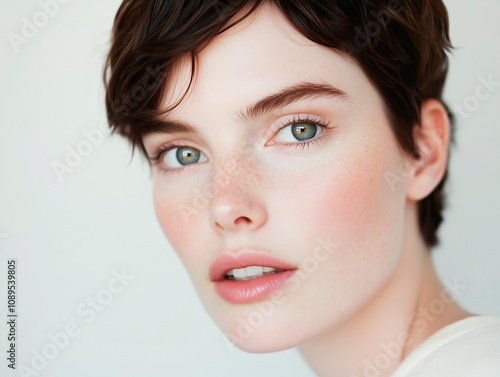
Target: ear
432,141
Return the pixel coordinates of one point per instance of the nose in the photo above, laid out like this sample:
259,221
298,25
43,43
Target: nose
237,212
237,203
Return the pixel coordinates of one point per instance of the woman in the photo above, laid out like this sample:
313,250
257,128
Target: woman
299,155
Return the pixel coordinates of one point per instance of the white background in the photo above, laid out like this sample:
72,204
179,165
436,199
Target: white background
68,237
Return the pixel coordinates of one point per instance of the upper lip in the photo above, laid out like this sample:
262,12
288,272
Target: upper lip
241,258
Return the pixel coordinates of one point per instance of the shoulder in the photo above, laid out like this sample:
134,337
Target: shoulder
470,347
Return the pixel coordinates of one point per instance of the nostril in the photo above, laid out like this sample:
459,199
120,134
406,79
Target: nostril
242,220
239,212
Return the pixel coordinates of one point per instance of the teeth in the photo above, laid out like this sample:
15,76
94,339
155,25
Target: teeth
249,272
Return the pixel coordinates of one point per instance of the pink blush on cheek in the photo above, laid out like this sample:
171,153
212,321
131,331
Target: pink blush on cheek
348,198
175,218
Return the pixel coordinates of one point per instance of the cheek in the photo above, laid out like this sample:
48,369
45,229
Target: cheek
348,199
178,213
346,195
167,212
357,200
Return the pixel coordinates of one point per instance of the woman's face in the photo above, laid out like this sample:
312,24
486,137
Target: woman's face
283,164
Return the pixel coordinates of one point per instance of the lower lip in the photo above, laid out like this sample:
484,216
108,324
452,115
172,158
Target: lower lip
245,291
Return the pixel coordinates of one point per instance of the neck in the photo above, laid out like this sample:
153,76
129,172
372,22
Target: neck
411,307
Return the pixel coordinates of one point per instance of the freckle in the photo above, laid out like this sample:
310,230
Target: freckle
238,168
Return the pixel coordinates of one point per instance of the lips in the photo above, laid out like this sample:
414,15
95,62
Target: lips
248,275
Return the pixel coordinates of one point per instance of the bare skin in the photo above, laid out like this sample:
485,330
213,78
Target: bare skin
256,187
379,332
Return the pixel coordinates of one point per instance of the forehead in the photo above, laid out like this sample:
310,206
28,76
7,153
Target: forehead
258,56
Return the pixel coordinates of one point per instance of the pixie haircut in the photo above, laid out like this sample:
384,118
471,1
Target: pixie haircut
400,45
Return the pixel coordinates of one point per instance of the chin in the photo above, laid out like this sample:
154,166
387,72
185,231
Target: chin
266,326
264,339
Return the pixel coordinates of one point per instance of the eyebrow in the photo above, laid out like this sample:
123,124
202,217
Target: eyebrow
291,94
286,96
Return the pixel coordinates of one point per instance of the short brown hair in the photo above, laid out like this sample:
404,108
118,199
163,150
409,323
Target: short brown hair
401,45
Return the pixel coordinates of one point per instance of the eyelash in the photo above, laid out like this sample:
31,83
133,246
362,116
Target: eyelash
159,153
303,119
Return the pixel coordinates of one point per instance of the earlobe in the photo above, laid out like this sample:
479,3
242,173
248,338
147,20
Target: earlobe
432,142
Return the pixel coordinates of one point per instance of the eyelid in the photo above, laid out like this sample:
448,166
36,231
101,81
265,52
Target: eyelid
288,120
159,151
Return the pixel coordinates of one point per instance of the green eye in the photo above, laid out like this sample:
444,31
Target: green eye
299,131
181,156
304,131
187,155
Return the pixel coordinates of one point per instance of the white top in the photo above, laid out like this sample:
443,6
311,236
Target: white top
467,348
